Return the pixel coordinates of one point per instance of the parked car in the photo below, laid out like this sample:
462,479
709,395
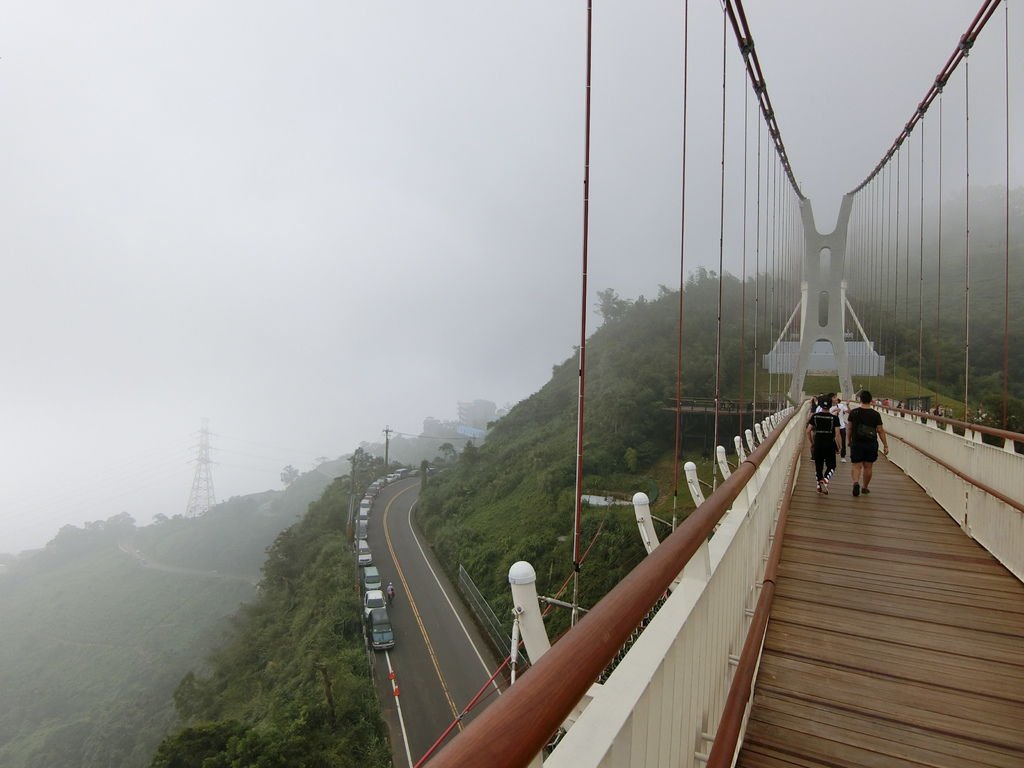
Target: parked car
362,530
365,556
371,578
382,636
373,599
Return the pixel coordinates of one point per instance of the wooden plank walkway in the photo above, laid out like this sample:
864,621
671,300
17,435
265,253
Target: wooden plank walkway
894,639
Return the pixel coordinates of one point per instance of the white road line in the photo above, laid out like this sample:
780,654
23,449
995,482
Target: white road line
398,704
472,645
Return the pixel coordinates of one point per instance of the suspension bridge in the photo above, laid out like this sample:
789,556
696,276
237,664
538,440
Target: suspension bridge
775,626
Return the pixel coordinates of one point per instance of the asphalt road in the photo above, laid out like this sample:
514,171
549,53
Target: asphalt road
440,660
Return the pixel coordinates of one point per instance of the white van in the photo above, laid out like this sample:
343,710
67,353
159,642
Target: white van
364,553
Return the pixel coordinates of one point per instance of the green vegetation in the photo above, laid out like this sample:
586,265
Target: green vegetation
932,303
291,686
101,625
512,498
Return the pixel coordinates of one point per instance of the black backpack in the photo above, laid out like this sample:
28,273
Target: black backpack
824,426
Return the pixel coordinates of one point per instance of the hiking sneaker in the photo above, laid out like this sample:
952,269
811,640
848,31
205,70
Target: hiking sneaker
856,489
865,490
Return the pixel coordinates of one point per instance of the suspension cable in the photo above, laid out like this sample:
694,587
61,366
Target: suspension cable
988,7
757,275
967,234
896,285
938,256
682,272
743,271
738,18
920,280
1006,277
577,512
721,276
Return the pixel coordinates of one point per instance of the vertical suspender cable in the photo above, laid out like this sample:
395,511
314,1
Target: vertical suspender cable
721,264
682,272
967,234
920,279
1006,277
938,268
743,271
577,512
757,274
906,282
896,285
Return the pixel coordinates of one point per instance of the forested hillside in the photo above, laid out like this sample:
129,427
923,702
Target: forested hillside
512,498
100,626
290,686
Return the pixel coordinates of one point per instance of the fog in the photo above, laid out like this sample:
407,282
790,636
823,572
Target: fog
306,221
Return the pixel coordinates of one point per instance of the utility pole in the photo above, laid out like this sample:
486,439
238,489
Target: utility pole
202,497
387,440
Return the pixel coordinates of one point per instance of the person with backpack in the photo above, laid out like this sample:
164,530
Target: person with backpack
823,435
864,425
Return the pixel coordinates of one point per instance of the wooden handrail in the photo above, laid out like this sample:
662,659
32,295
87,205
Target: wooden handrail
514,729
727,736
990,431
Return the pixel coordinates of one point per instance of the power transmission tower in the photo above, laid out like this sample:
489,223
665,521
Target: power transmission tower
202,496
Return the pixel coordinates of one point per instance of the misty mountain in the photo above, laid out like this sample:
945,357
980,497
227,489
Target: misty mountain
100,626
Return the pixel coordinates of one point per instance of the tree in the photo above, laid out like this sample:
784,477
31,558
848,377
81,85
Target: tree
447,452
289,475
610,306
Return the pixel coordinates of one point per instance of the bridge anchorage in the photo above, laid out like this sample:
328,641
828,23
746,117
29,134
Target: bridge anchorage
822,310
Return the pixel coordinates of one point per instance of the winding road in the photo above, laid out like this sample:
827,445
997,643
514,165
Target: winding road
440,660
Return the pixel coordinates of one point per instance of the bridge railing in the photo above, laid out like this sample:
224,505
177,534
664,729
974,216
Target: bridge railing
663,702
981,486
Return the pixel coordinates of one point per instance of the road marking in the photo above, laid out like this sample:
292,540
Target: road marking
415,611
447,600
398,703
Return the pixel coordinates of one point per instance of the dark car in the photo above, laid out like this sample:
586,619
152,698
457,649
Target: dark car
382,635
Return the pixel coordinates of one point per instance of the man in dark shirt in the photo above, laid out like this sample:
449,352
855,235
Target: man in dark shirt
823,434
864,429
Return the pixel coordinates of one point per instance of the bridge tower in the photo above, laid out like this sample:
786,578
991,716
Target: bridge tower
823,297
202,497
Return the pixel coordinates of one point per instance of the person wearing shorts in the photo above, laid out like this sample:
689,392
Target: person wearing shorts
864,428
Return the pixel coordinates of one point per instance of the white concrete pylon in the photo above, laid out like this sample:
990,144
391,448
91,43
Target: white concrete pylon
823,295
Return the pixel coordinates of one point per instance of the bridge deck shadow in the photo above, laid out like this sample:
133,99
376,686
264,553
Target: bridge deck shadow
894,639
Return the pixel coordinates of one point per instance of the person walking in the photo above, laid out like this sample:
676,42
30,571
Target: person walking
823,435
842,410
865,430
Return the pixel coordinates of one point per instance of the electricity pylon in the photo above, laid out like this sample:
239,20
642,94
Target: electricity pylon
202,496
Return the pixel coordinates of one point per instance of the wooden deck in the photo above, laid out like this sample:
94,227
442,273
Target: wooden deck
894,639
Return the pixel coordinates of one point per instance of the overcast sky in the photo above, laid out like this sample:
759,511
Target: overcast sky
309,220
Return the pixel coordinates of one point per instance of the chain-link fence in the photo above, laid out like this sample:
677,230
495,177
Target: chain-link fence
486,618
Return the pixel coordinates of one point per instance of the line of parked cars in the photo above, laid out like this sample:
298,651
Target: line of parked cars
375,611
